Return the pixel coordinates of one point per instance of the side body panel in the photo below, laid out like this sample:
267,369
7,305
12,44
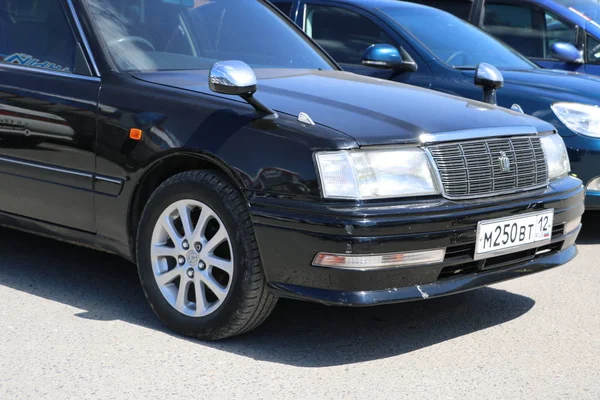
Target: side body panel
47,133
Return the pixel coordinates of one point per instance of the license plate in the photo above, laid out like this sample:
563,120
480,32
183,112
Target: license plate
512,234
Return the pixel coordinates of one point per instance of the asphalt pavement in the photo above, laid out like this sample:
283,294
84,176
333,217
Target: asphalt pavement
74,324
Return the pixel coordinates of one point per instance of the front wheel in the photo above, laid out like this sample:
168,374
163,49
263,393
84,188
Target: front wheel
198,259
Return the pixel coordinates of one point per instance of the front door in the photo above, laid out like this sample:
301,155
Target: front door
48,104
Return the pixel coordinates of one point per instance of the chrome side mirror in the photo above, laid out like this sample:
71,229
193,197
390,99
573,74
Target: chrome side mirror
490,79
566,52
232,77
238,79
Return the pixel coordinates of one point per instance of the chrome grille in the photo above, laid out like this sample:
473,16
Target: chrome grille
475,168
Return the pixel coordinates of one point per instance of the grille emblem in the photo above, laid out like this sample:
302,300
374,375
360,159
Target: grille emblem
504,162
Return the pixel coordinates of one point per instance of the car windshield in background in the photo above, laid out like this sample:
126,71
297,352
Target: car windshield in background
158,35
457,43
591,8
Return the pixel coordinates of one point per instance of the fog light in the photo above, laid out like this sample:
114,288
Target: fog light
594,185
572,225
376,261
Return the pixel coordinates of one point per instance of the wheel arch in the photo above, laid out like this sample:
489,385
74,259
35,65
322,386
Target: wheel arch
162,169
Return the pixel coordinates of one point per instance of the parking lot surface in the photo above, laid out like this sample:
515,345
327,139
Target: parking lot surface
74,323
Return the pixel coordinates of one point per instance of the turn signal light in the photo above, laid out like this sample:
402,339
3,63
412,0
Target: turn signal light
135,134
378,261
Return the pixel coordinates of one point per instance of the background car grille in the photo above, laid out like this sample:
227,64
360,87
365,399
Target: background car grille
474,168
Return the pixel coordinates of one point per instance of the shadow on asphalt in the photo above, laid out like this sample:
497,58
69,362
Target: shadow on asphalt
106,288
590,233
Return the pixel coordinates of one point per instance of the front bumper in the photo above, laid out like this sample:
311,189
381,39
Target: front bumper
290,233
429,290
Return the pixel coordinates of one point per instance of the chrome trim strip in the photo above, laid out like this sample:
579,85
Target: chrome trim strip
303,17
49,72
109,180
46,167
86,175
502,193
467,134
83,38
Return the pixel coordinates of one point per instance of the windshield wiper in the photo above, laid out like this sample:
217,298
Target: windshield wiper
464,68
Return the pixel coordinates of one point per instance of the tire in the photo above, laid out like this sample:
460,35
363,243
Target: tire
239,293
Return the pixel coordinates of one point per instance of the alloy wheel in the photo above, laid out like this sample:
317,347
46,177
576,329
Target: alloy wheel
192,258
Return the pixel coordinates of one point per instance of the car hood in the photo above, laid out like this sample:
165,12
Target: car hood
557,85
372,111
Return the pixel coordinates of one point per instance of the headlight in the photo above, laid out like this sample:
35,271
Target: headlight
375,174
556,156
580,118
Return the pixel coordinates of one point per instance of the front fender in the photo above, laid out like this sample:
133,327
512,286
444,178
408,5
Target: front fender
270,156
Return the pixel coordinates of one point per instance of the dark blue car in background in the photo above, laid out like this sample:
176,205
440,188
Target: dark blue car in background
434,49
561,34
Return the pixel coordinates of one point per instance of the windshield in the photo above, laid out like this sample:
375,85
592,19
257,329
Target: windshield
158,35
591,8
455,42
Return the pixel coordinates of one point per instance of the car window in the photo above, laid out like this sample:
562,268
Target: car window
593,50
36,33
589,9
558,30
518,26
453,41
160,35
286,8
530,31
344,34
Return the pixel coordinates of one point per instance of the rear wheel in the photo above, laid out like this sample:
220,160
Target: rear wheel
198,259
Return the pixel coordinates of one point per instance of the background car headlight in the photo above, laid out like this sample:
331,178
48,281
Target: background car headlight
556,156
375,174
580,118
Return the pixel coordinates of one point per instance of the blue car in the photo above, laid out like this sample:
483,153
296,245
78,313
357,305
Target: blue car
427,47
561,34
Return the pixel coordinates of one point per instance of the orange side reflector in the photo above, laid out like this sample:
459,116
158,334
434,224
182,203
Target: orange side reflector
135,134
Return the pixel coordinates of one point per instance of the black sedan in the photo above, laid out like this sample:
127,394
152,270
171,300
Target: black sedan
137,127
